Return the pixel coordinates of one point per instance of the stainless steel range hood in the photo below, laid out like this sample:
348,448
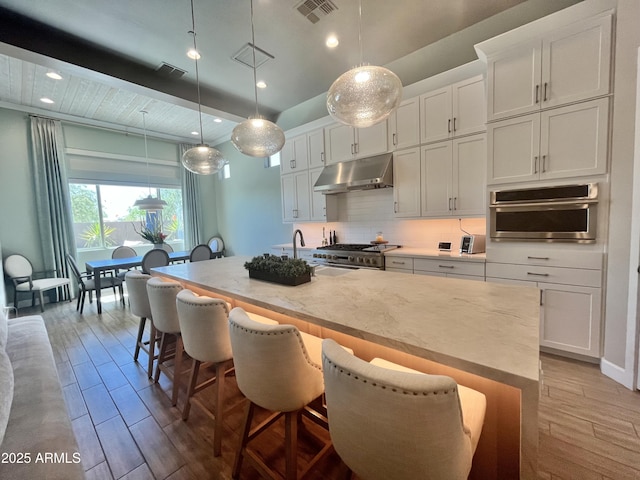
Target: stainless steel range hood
362,174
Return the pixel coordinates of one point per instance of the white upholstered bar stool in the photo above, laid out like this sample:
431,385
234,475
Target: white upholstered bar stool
273,371
162,300
139,303
204,324
393,422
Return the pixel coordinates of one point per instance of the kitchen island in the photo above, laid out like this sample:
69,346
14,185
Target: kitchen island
483,335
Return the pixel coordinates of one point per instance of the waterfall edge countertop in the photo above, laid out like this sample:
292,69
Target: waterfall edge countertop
488,329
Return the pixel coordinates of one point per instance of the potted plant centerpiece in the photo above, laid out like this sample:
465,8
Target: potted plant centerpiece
286,271
153,235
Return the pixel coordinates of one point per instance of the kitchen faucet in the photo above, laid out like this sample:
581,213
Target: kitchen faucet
295,249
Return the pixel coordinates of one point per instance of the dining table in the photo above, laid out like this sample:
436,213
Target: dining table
99,267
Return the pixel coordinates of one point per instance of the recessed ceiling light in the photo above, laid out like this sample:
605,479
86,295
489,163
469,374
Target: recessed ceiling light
195,133
46,100
217,120
332,41
261,84
193,54
54,75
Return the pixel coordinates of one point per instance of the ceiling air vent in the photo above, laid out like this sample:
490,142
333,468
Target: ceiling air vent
314,10
245,56
169,71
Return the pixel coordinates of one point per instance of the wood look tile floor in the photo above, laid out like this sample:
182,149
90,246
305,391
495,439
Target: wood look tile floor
127,429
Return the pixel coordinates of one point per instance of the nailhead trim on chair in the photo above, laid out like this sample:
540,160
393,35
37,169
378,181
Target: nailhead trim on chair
207,305
283,332
384,387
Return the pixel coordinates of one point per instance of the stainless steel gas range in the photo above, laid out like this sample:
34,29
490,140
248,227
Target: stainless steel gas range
353,255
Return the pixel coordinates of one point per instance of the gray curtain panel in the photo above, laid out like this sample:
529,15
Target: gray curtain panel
190,195
52,200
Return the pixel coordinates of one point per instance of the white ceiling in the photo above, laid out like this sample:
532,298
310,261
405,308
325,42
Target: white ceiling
107,53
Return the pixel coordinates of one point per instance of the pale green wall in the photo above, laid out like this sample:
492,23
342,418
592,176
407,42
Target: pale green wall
249,205
18,223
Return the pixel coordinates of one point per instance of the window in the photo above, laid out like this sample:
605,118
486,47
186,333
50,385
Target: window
272,161
104,215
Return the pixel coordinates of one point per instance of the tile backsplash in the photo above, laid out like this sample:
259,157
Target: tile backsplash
363,214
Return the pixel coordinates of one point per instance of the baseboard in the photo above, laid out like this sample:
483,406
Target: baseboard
617,373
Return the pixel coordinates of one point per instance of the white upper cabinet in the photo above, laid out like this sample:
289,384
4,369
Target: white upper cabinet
453,177
404,125
294,155
315,141
344,142
406,183
569,65
295,196
453,111
562,142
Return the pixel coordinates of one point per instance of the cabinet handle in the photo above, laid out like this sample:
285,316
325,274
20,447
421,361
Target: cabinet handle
292,164
537,93
454,124
449,126
357,145
535,164
541,302
324,211
446,266
544,99
544,161
397,263
537,258
322,157
395,207
395,142
538,274
455,203
449,203
295,213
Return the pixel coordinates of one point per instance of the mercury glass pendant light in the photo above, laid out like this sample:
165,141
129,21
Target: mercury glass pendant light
364,95
150,203
201,159
256,136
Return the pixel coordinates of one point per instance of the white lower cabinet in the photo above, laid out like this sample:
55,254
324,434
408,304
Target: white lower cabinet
449,268
570,298
398,264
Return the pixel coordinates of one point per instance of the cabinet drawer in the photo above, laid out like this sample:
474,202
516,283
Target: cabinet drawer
536,273
398,263
546,257
448,267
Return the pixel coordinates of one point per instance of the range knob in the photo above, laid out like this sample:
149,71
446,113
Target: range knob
351,258
367,261
315,255
360,260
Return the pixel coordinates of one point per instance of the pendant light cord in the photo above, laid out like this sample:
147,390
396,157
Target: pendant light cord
146,152
253,44
195,48
360,31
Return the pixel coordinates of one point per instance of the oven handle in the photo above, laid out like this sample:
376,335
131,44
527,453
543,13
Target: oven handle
546,205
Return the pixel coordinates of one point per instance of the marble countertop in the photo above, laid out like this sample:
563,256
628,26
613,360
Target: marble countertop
437,254
488,329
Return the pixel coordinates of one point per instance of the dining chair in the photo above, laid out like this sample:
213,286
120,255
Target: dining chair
199,253
20,270
154,258
87,284
388,421
217,246
274,371
123,251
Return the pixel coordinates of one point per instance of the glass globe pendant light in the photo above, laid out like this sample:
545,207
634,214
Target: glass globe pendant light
256,136
150,203
201,159
364,95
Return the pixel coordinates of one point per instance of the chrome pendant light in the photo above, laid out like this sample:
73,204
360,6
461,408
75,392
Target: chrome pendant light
201,159
150,203
257,137
364,95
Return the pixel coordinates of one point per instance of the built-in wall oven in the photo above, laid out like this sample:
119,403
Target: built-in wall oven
559,213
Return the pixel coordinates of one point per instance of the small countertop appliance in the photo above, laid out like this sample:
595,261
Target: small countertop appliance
473,244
